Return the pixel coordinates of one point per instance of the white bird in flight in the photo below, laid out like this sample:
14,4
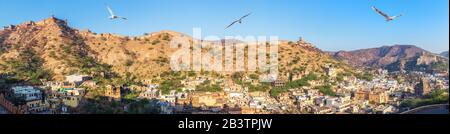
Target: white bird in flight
239,20
112,15
388,18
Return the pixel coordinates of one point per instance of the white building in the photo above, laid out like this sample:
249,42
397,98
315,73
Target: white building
28,92
33,98
330,101
170,98
76,78
76,92
53,85
236,94
150,94
153,86
385,109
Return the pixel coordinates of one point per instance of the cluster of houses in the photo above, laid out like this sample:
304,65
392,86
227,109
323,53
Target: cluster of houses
382,95
50,98
68,94
356,96
27,100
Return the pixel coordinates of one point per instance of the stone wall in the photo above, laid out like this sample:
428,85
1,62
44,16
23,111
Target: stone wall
11,107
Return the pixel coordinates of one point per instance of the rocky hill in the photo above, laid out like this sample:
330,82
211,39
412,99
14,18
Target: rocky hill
394,58
50,49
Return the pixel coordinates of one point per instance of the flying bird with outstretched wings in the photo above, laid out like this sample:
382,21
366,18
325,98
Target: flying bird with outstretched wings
112,15
387,17
239,20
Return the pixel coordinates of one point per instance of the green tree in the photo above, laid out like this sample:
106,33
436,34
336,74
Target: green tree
28,66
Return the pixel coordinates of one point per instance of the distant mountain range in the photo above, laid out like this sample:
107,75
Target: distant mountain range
394,58
445,54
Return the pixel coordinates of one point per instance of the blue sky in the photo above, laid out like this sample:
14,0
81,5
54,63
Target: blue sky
330,24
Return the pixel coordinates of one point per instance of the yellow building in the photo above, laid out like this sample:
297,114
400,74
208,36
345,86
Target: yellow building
71,101
113,92
361,95
247,110
378,97
208,99
36,106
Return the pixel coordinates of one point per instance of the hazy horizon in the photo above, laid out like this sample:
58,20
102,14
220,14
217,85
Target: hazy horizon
355,25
